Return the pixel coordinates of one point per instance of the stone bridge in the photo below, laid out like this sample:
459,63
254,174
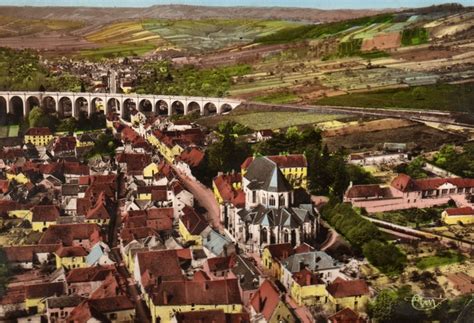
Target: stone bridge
71,104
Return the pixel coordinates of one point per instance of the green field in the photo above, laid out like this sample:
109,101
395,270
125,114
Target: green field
9,131
323,30
277,98
270,119
439,260
117,51
456,97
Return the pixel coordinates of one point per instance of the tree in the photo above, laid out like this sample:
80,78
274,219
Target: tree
387,257
383,308
68,125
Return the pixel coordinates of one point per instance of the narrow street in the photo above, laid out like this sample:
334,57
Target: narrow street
141,309
205,198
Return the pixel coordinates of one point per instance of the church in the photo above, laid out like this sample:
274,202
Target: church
271,212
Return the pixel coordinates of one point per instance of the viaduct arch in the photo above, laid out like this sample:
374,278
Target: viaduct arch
72,104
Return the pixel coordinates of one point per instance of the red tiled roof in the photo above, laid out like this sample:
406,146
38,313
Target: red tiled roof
26,253
44,290
45,213
303,248
98,212
71,252
112,304
192,156
160,263
194,222
266,299
225,185
360,191
4,186
135,162
66,143
213,292
280,251
9,205
89,274
340,288
405,183
38,131
66,233
460,211
307,278
129,234
221,263
212,316
346,315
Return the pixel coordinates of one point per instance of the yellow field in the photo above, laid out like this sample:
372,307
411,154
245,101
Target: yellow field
124,33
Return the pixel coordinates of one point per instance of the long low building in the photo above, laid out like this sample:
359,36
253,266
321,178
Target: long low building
405,192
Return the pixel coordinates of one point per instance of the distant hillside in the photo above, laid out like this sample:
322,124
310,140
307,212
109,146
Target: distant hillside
102,15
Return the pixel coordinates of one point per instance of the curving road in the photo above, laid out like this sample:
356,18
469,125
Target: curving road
205,198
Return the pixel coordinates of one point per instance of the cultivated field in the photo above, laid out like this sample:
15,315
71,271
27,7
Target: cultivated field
270,119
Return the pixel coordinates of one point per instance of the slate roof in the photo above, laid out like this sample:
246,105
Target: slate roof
64,301
216,242
313,261
292,217
264,174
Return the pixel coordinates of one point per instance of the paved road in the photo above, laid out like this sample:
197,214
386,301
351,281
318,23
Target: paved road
205,198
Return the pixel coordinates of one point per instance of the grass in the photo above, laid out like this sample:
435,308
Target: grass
374,54
439,260
455,97
9,131
117,51
270,120
277,98
322,30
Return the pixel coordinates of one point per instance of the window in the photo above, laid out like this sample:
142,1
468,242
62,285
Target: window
271,200
254,196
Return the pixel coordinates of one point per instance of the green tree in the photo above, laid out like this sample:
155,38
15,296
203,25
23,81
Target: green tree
385,256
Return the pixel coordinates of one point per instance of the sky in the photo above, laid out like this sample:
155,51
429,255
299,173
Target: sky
319,4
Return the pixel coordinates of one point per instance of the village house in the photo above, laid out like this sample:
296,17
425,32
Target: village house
192,226
267,305
59,308
405,192
70,257
38,136
462,215
43,216
27,256
293,167
170,297
85,281
353,294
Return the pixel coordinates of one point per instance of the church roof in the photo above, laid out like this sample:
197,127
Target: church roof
290,217
264,174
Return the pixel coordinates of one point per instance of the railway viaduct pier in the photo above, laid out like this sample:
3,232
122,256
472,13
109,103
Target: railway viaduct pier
71,104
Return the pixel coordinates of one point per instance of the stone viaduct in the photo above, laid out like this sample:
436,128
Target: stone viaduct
71,103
